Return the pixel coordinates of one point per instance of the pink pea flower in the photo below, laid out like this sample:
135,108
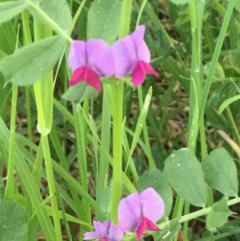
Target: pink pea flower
90,60
139,212
131,56
104,231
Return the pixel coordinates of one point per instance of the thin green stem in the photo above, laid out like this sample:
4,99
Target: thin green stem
233,123
141,11
77,14
28,40
196,10
117,113
105,143
51,186
151,161
29,114
81,136
10,168
196,15
217,51
205,211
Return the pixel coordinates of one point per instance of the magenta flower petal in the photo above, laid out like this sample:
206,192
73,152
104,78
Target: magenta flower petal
77,55
104,231
99,57
152,205
93,80
139,72
77,76
129,212
145,225
88,75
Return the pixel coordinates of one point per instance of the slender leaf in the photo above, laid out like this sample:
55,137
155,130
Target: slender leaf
228,102
29,184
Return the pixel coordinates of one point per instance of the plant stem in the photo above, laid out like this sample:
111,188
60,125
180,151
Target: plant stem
117,115
117,110
205,211
196,10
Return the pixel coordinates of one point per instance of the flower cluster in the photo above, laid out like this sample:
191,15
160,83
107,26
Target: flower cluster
95,58
137,212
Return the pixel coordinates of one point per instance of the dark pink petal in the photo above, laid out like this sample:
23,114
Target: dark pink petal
93,80
129,212
99,57
152,205
145,225
77,76
124,56
139,72
104,239
86,74
77,54
138,75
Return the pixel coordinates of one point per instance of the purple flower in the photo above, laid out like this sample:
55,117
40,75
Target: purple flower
131,56
95,58
139,212
90,60
104,231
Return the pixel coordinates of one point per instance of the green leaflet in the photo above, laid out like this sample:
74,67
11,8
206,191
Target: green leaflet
13,222
221,172
103,20
185,174
9,10
33,62
218,215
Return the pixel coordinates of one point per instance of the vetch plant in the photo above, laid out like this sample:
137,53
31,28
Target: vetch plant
139,212
93,59
89,60
104,231
132,56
